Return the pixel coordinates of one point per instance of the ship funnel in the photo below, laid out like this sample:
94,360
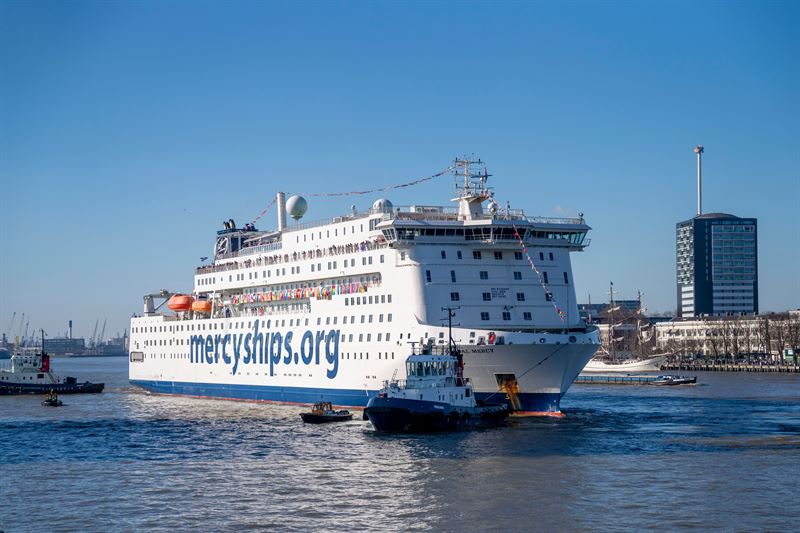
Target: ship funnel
70,329
281,211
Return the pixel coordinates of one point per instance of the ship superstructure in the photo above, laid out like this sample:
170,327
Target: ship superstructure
323,311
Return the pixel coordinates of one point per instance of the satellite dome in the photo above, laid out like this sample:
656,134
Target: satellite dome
382,205
296,206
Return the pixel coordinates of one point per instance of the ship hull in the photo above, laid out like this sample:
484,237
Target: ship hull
531,378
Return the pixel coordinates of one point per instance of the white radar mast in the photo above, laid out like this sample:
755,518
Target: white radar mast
470,177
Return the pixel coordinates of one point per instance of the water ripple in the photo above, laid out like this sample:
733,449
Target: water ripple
711,457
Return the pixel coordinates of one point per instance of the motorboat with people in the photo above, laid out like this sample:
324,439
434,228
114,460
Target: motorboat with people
435,396
51,400
323,412
30,373
674,380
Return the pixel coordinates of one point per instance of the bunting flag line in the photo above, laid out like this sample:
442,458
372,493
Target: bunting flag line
324,292
265,211
561,314
385,187
354,193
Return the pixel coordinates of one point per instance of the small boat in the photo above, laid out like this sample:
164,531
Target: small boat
629,365
52,400
674,380
30,373
323,412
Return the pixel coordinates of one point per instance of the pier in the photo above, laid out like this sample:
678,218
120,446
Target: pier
730,367
613,379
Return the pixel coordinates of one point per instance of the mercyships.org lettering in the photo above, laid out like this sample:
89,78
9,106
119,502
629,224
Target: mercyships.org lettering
265,348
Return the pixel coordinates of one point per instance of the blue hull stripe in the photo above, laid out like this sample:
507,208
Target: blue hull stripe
260,393
531,402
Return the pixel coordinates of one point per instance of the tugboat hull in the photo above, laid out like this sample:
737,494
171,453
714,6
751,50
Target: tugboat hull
8,389
411,416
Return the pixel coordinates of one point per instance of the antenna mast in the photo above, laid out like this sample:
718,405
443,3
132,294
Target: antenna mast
472,175
699,151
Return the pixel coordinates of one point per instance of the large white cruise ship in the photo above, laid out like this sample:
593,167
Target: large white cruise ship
326,311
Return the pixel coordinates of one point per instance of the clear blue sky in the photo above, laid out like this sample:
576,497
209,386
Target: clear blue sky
130,130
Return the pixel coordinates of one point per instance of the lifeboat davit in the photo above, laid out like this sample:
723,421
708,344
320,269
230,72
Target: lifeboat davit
180,302
201,306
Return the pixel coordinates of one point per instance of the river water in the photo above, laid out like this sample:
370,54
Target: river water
722,454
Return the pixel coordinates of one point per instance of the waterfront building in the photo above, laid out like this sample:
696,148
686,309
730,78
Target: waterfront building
64,345
730,336
717,265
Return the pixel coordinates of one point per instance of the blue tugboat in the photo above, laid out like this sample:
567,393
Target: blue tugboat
30,373
435,396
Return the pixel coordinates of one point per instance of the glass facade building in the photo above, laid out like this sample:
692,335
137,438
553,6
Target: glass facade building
717,265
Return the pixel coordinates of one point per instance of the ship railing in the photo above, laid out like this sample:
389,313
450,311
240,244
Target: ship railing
424,382
355,215
279,259
250,250
445,213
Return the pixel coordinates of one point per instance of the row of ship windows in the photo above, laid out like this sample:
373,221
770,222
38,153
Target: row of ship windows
312,284
368,319
362,337
484,275
328,233
506,315
365,261
477,254
332,265
487,296
31,378
366,300
343,355
380,337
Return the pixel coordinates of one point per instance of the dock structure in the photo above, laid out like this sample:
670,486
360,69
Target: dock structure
730,367
615,379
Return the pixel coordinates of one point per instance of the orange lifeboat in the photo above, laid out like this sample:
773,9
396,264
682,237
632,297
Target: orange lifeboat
180,302
201,306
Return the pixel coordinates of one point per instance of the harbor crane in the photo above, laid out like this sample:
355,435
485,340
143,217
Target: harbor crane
94,333
102,332
25,334
19,331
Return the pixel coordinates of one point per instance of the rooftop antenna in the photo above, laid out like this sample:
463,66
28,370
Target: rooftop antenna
611,342
473,175
699,151
451,312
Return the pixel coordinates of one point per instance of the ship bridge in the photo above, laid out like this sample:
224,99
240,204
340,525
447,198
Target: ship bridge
413,226
469,222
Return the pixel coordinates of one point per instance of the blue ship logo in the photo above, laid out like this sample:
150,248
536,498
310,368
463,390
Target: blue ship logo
266,348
